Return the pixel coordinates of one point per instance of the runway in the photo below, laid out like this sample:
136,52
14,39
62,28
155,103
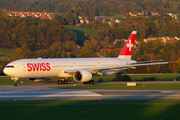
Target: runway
43,92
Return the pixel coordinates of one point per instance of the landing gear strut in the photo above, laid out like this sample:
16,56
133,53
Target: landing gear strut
89,82
63,81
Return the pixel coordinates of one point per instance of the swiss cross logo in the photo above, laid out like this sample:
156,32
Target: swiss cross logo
129,45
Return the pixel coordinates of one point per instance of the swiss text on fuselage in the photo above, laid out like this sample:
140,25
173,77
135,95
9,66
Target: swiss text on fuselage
38,67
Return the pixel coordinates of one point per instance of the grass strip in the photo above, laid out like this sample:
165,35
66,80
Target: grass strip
161,77
28,103
98,109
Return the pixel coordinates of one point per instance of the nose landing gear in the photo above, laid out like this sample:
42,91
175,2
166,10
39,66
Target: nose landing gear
15,83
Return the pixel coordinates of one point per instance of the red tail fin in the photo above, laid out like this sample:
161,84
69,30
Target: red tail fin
127,50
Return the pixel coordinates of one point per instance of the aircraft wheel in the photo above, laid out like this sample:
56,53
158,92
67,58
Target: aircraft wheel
67,81
58,82
15,83
63,82
91,82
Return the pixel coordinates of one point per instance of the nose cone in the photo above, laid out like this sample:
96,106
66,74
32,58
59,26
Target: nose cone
5,71
8,71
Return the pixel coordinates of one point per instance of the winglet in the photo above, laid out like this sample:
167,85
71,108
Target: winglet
127,50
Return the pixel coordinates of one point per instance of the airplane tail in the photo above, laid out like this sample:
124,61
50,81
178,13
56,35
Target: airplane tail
127,50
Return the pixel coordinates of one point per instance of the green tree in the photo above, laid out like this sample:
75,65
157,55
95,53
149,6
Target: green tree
70,18
79,11
87,10
96,45
172,28
178,16
86,52
3,13
163,30
107,11
92,16
59,18
157,27
19,53
119,44
178,64
97,12
70,46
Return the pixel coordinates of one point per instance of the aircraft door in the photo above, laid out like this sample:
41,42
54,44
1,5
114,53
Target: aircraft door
24,67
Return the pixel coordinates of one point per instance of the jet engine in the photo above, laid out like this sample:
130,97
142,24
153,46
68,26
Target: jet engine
36,79
82,76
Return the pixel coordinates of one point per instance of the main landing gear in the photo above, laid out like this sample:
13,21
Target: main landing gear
89,82
63,81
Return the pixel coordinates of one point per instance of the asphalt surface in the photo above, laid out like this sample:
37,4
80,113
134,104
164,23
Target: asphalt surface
42,91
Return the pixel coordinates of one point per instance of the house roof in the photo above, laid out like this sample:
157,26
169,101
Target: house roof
171,41
33,14
11,14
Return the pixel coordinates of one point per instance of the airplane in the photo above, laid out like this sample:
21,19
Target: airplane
81,69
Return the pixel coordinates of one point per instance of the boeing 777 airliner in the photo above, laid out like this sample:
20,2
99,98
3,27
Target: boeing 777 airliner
81,69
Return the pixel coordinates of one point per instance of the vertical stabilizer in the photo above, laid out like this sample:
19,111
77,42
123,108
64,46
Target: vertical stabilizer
127,50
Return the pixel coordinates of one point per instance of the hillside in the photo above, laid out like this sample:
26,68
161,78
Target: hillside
5,52
81,33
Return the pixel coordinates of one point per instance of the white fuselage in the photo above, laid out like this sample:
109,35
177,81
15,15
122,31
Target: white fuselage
41,68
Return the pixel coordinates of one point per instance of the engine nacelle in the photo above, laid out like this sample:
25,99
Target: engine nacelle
36,79
82,76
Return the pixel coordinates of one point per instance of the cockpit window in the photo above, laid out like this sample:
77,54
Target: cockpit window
10,66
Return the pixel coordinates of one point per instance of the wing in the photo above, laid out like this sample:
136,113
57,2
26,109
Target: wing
148,61
95,70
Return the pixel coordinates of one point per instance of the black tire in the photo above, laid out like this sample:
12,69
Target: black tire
67,81
15,83
58,82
